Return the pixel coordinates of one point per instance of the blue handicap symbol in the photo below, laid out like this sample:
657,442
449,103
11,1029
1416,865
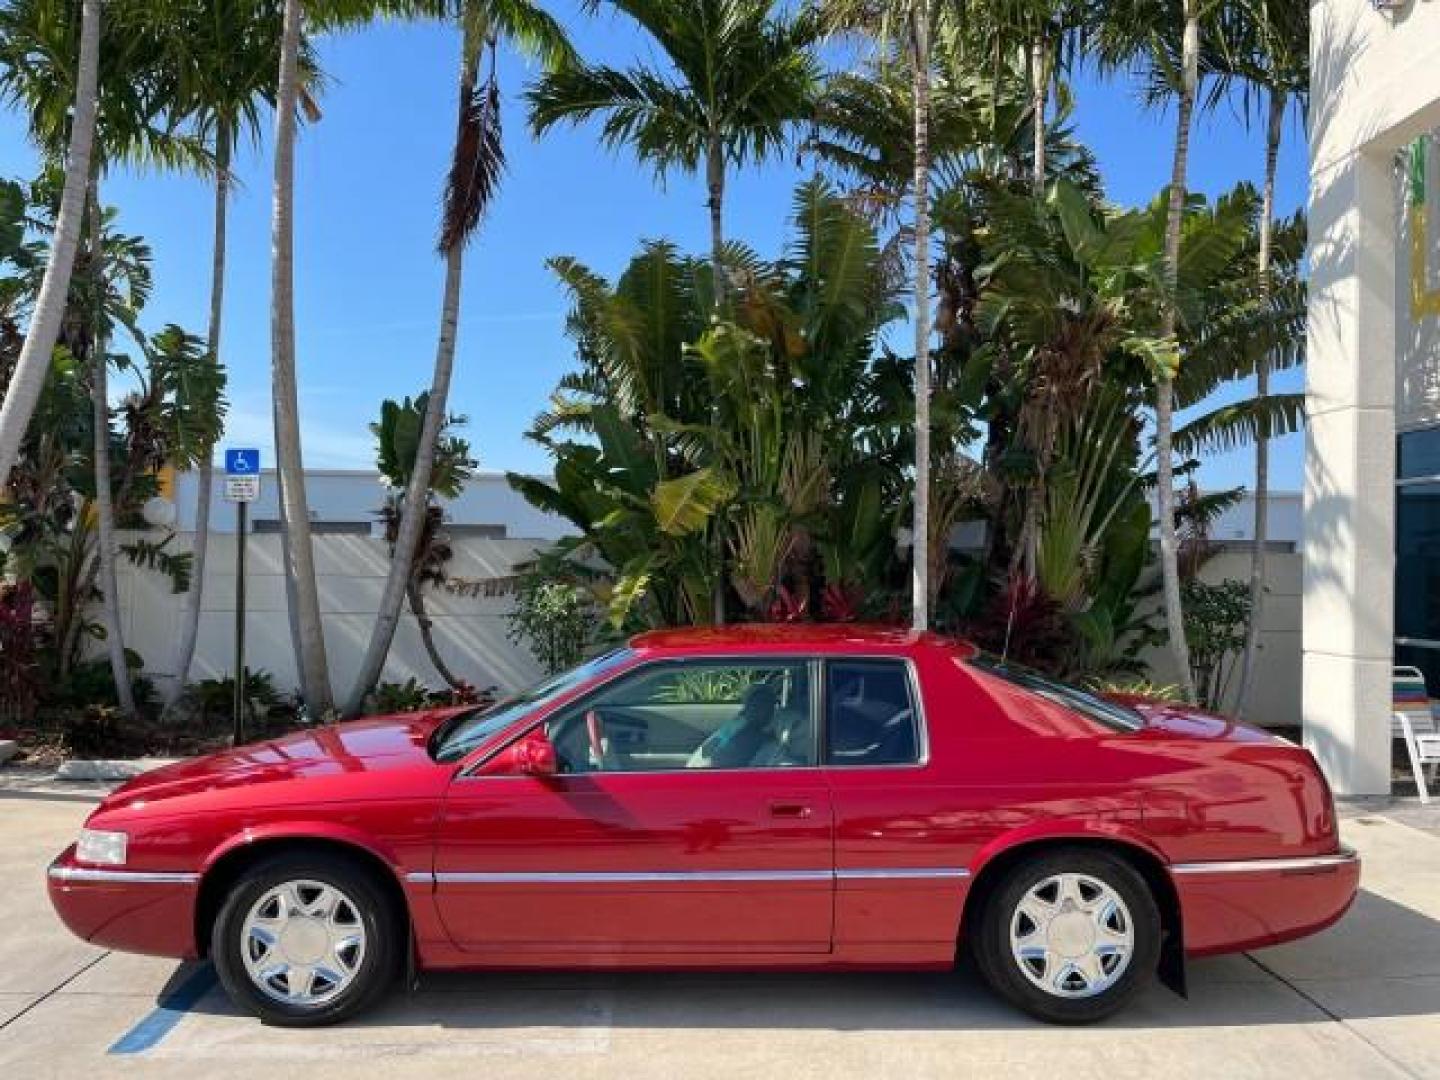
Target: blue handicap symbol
243,462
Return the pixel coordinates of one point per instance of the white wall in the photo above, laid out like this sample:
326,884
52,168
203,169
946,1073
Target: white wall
1284,520
1375,86
1275,698
471,633
354,495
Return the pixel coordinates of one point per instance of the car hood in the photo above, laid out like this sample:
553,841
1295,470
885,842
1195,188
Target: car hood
362,746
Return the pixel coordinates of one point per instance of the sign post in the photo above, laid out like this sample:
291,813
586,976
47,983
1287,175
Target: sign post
242,487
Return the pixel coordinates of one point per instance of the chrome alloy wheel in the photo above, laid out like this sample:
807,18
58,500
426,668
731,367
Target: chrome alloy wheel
303,943
1072,935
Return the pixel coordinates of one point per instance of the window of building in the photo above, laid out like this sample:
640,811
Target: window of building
1417,554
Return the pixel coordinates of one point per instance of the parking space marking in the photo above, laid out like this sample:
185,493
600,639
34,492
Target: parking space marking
42,998
148,1033
566,1023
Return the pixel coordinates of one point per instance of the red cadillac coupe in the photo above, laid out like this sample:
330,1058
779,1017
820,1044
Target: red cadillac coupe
755,797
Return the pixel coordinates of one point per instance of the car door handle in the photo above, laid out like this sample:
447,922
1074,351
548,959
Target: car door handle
789,810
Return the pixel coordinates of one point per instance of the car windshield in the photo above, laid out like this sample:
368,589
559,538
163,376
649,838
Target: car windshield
465,731
1113,715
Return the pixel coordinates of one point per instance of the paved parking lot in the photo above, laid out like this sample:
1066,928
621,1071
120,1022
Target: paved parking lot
1362,1000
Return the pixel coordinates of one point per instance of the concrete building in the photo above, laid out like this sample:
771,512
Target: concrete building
1372,479
344,502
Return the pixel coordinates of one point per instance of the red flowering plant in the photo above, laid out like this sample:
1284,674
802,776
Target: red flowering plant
19,672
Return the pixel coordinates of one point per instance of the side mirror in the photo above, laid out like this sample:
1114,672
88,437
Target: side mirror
530,755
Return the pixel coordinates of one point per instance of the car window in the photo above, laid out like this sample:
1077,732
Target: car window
870,716
1111,714
711,715
465,731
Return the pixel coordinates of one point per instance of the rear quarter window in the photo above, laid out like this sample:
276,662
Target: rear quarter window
1109,714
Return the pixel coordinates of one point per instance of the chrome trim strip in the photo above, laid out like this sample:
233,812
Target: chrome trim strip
1257,866
904,873
626,877
123,877
606,877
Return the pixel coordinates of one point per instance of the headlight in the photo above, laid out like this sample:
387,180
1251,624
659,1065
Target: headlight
105,848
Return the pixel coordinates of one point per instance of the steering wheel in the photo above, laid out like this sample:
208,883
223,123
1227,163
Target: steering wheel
595,732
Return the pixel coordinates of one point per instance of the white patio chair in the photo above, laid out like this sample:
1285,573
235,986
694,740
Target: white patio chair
1412,718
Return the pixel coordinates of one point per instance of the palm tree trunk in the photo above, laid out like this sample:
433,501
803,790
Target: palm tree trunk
72,592
33,366
715,180
190,626
920,526
427,636
1040,99
1273,132
300,560
104,500
1165,386
415,508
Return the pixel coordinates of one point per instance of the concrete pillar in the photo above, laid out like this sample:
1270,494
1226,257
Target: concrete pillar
1349,546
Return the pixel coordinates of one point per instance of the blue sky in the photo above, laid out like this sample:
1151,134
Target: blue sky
368,280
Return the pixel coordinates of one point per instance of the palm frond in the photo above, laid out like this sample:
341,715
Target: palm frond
1242,423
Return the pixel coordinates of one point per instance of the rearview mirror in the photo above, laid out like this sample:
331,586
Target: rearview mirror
531,755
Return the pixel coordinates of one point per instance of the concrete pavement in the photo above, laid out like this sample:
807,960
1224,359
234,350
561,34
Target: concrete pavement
1361,1000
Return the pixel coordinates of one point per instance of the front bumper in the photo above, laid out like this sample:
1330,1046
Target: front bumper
1254,903
142,911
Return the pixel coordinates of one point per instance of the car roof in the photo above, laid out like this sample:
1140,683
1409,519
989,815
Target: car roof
799,637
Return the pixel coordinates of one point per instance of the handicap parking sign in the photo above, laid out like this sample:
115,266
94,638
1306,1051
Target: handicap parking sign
244,461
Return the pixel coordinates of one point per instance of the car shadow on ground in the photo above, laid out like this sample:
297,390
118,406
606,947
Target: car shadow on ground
1382,960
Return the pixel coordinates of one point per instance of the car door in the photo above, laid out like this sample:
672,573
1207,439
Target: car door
689,817
899,878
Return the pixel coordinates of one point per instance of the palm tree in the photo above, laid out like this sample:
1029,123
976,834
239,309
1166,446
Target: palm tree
227,60
1273,60
909,25
1043,32
1163,39
477,162
299,547
297,542
744,76
23,391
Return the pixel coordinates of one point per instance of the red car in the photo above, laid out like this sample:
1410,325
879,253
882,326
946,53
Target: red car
754,797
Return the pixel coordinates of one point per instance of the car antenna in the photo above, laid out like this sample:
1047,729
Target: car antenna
1009,626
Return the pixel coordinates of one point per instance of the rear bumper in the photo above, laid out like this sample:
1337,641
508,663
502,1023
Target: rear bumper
1252,903
131,910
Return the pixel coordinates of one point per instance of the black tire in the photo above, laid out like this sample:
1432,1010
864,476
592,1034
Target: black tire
991,936
373,909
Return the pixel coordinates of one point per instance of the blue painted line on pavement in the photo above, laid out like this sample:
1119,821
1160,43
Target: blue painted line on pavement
170,1011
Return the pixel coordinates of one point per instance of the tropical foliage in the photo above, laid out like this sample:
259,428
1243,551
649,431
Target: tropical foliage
968,392
170,416
398,436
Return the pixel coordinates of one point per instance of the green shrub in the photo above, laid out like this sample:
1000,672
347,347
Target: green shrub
555,619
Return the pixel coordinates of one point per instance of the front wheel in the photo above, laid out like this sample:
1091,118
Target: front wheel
1069,936
305,940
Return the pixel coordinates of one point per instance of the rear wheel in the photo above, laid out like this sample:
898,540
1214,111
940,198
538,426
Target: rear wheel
305,940
1069,936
